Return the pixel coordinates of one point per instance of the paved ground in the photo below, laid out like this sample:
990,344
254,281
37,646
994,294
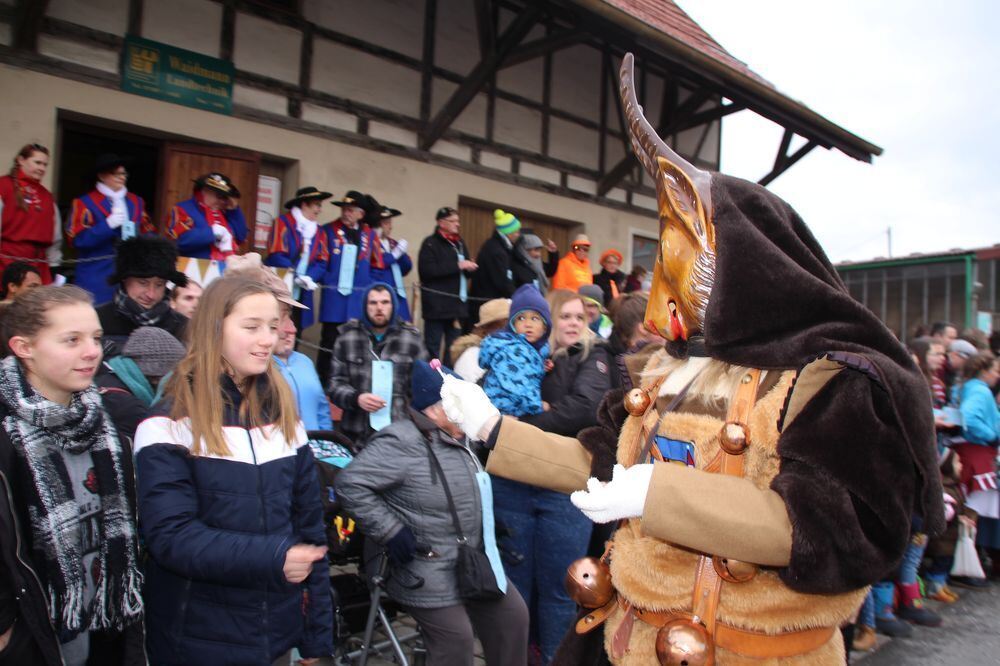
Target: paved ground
969,636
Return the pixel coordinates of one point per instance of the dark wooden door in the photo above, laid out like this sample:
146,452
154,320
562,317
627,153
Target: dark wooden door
182,163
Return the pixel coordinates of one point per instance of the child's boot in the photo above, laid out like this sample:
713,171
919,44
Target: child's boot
886,621
911,607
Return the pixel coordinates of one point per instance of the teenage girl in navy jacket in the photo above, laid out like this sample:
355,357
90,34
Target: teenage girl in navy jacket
229,500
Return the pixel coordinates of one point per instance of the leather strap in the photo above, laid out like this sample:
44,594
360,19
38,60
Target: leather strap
596,617
708,583
746,643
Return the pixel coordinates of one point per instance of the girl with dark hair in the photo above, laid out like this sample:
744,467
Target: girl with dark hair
69,582
29,219
229,499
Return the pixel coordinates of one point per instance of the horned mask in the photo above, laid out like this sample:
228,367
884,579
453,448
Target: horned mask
685,262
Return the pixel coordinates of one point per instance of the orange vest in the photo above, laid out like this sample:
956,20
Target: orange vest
572,273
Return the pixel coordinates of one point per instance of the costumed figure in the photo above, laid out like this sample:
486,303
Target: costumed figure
390,262
754,452
208,225
297,243
100,220
30,229
347,275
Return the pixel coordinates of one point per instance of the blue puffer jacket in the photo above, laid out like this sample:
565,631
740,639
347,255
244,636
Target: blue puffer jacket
217,530
514,372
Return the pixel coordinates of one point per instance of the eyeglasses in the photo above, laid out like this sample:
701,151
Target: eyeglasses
585,248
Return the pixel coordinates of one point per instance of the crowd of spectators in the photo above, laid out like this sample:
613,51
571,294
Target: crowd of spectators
545,335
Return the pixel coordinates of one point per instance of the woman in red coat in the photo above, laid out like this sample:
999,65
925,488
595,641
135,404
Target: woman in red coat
29,221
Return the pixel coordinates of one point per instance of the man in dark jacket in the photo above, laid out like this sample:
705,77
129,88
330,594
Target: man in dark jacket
143,266
371,355
495,276
444,269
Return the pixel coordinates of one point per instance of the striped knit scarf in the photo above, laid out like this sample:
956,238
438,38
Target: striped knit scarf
40,430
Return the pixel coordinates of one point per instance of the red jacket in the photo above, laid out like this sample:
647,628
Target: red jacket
37,224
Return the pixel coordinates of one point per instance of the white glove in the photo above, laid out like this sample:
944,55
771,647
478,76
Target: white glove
467,406
305,282
116,220
223,238
623,497
400,249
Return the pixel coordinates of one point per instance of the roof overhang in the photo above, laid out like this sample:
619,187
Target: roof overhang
738,84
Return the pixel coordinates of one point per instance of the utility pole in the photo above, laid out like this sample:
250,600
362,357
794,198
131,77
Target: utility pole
888,236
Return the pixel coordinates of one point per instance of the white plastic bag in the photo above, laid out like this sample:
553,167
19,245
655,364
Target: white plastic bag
966,559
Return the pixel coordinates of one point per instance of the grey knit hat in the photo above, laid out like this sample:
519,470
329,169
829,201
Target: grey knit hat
154,350
531,241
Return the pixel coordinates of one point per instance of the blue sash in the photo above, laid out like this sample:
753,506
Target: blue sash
348,264
489,530
463,288
382,387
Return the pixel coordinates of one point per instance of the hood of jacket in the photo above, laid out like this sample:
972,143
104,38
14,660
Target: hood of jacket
394,320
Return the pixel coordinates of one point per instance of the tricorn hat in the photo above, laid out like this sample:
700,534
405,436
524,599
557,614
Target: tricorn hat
106,162
389,213
147,256
217,182
308,193
352,198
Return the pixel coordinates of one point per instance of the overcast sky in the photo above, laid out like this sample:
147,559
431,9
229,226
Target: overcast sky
919,79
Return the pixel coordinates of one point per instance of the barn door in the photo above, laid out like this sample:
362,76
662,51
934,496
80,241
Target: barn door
184,162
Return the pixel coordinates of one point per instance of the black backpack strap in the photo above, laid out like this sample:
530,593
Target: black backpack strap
447,491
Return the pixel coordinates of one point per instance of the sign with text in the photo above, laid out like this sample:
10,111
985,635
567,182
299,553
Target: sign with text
175,75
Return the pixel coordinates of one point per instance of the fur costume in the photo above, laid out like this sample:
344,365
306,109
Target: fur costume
839,410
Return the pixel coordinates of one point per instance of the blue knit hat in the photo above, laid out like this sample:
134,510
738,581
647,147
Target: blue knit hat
527,297
506,223
425,385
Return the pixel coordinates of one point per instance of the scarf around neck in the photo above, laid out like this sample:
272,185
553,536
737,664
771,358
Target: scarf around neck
117,197
40,431
138,315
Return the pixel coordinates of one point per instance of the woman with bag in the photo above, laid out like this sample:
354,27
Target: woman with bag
229,500
418,490
69,574
545,527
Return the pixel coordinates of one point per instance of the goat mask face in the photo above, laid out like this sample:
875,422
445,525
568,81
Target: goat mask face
685,262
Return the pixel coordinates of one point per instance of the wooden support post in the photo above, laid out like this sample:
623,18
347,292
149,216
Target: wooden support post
478,77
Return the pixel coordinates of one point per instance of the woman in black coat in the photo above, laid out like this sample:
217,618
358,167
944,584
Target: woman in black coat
445,270
545,527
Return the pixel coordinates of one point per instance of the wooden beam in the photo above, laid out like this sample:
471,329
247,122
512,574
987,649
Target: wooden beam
626,144
602,149
787,164
478,77
543,46
546,101
134,18
306,59
28,19
485,27
427,61
228,40
786,141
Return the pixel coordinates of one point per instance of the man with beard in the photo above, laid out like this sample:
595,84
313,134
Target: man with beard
372,362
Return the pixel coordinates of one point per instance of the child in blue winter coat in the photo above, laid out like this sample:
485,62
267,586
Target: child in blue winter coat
514,358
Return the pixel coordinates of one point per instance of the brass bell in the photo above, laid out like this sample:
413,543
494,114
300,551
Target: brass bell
684,642
734,571
734,438
637,401
588,582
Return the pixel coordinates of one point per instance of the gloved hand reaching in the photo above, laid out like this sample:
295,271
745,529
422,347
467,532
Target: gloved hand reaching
623,497
223,238
401,547
467,406
305,282
401,247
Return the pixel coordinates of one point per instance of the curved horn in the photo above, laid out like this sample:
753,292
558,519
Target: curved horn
646,143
